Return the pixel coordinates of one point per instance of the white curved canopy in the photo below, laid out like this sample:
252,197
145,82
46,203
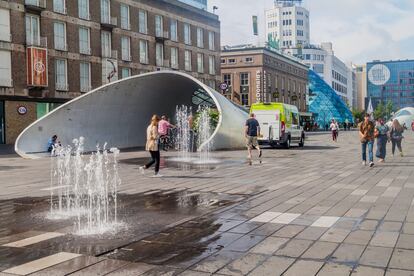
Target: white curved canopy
118,113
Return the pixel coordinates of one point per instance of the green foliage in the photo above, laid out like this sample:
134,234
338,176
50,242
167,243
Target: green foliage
358,114
214,118
379,111
389,108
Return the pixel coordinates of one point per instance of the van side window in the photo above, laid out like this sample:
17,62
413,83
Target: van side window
295,119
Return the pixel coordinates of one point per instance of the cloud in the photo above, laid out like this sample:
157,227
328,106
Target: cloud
361,30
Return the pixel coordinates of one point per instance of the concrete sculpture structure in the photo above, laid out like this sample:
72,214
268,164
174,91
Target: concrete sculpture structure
118,113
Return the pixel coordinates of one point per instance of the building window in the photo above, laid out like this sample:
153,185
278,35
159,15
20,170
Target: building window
142,21
244,79
173,30
59,29
174,57
232,61
245,99
200,63
249,60
159,54
200,38
106,44
143,51
223,61
187,34
32,30
159,30
126,48
59,6
105,11
227,79
83,9
211,41
187,60
85,76
212,65
125,73
61,80
84,41
125,17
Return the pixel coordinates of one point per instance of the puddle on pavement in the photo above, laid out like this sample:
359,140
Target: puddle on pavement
162,227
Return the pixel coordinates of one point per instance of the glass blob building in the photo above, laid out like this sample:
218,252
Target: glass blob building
390,81
325,104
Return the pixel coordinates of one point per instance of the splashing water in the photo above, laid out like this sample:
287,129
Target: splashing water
184,138
85,188
204,134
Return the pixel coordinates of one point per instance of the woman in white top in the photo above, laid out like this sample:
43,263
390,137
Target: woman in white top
334,128
152,146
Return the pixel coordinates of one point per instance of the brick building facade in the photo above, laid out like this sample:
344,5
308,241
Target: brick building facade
263,75
55,50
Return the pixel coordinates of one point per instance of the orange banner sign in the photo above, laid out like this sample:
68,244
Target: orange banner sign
37,67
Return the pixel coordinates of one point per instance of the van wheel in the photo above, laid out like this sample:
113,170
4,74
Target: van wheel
302,142
287,144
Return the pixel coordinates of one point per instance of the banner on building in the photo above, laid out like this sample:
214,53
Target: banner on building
255,26
37,66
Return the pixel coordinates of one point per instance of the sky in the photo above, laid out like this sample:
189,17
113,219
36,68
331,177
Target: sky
361,30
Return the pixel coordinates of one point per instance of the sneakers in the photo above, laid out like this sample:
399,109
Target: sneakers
157,175
260,153
371,164
401,154
142,170
364,163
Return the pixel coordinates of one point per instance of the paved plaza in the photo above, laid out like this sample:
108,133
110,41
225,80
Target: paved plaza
304,211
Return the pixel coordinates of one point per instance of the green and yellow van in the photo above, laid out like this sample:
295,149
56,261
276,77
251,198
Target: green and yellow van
279,124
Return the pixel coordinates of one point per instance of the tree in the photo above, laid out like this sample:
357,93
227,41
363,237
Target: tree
379,111
389,108
358,114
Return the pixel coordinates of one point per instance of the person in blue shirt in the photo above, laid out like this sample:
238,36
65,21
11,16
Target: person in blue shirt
51,143
252,130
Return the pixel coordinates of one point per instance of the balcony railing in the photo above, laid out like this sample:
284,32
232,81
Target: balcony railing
126,57
112,54
85,50
35,4
61,46
62,86
85,88
162,35
109,21
37,42
125,25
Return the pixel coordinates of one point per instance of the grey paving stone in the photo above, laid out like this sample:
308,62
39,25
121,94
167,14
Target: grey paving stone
359,237
312,233
390,226
320,250
331,269
244,243
398,272
269,245
267,229
367,271
272,266
402,259
376,256
368,224
348,253
335,235
386,239
289,231
408,228
216,261
243,265
304,268
405,241
294,248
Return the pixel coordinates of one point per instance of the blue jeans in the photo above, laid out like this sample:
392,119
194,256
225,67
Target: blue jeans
370,150
381,146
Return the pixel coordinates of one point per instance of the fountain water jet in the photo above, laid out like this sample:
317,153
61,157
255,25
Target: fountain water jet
86,188
184,137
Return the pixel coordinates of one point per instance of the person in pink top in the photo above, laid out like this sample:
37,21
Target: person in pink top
163,128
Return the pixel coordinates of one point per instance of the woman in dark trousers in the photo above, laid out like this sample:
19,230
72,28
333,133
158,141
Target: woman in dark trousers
396,135
152,146
381,133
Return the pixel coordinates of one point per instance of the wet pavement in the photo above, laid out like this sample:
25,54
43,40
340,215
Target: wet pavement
303,211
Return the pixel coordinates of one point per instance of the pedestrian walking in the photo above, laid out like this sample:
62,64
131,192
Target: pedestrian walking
152,146
366,135
396,135
381,133
334,129
252,130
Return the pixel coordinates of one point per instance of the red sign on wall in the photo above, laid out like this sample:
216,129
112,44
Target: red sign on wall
37,66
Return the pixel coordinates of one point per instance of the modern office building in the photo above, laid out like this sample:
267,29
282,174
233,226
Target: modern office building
322,60
201,4
361,79
53,51
287,23
390,81
255,74
325,104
